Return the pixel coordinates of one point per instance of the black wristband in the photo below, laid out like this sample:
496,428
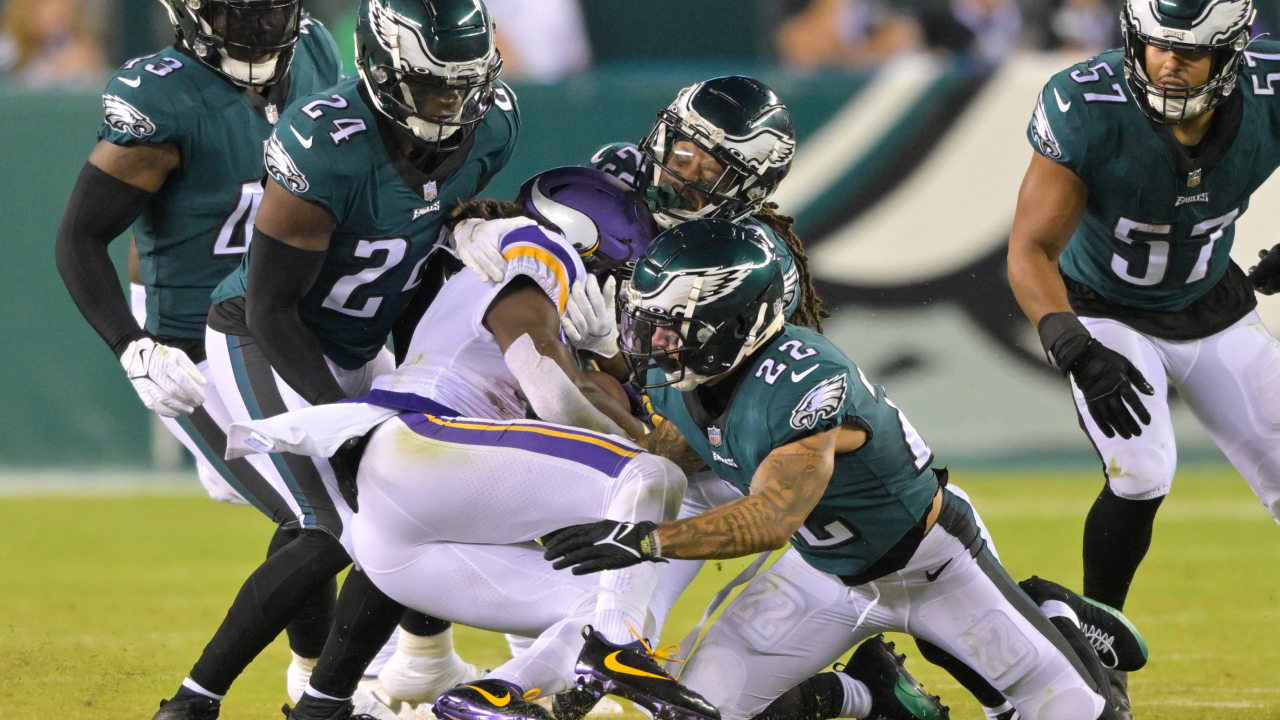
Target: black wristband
101,207
1064,339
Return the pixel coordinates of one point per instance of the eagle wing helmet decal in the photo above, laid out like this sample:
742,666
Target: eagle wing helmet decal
126,118
761,150
717,282
820,403
402,37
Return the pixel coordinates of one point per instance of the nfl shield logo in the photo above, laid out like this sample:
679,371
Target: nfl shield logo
429,190
713,434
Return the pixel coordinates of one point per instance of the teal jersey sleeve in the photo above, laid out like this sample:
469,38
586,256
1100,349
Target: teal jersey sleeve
137,108
317,43
621,160
302,157
1060,123
812,398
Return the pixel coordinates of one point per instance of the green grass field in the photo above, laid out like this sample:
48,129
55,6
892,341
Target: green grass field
105,601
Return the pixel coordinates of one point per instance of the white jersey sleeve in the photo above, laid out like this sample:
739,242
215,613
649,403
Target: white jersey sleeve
546,257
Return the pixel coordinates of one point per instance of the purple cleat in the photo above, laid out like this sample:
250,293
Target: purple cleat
489,700
632,671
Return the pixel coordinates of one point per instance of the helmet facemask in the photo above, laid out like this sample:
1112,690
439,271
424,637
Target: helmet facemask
250,42
432,107
732,195
1172,106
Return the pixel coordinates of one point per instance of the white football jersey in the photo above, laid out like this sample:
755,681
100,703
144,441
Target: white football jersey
453,359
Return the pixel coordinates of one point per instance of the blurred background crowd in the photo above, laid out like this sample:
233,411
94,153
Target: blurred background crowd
74,43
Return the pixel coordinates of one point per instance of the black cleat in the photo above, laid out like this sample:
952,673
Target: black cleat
188,705
314,708
631,671
1113,637
573,704
1120,694
895,694
489,700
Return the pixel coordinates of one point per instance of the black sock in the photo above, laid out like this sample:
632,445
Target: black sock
267,601
364,622
415,623
310,627
1117,534
821,697
965,675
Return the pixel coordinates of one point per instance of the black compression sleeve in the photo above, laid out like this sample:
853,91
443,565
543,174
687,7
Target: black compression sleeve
279,276
100,209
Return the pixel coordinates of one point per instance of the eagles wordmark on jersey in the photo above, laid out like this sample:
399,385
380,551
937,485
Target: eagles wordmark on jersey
195,230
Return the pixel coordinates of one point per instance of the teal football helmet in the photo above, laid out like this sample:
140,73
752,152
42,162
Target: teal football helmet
429,65
742,124
249,42
1219,27
705,295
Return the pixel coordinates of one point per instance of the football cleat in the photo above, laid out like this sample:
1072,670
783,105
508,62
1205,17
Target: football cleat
310,707
632,671
1120,694
188,705
1113,637
895,694
490,699
576,704
421,680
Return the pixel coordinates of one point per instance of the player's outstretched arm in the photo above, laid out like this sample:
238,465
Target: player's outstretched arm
523,308
290,241
667,441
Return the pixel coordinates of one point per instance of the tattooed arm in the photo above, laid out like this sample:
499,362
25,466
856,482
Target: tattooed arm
785,489
666,441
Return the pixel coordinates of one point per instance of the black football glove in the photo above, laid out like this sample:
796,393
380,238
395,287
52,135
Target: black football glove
1105,378
604,545
1265,276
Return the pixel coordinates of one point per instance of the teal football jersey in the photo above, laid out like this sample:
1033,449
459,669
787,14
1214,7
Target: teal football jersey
327,149
803,384
1158,227
195,229
625,162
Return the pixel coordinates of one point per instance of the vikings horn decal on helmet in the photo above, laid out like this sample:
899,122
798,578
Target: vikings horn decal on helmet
741,123
429,65
1218,27
249,42
607,221
705,295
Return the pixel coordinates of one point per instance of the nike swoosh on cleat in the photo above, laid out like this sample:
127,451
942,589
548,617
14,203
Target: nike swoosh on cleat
611,662
797,377
931,576
131,83
497,701
1063,106
306,143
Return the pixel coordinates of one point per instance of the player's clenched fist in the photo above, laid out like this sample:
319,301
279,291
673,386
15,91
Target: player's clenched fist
479,244
1265,276
604,545
164,377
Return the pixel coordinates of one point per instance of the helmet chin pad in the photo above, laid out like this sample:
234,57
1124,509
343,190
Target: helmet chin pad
1179,109
429,131
246,72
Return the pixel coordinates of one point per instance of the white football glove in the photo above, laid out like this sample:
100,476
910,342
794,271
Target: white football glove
478,244
590,317
164,377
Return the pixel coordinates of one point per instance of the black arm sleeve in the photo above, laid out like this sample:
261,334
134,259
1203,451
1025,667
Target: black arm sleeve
100,209
279,276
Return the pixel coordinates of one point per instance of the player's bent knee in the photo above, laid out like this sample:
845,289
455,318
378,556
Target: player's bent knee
660,485
1073,703
1141,472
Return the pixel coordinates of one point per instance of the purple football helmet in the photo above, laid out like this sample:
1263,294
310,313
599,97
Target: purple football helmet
607,221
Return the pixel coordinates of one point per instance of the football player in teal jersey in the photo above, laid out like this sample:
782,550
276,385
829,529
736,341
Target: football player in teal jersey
363,177
827,463
179,159
1144,160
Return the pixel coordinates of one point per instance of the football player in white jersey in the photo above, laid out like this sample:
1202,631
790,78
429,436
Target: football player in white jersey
455,485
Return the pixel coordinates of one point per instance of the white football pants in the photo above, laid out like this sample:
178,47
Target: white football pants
793,620
449,509
1231,382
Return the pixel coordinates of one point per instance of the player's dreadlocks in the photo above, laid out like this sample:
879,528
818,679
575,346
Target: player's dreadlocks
810,311
485,209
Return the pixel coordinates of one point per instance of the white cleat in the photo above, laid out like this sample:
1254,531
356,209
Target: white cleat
421,680
371,699
298,675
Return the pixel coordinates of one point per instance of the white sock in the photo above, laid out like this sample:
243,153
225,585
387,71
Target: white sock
994,713
317,694
623,603
434,647
1057,608
194,686
857,697
308,665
